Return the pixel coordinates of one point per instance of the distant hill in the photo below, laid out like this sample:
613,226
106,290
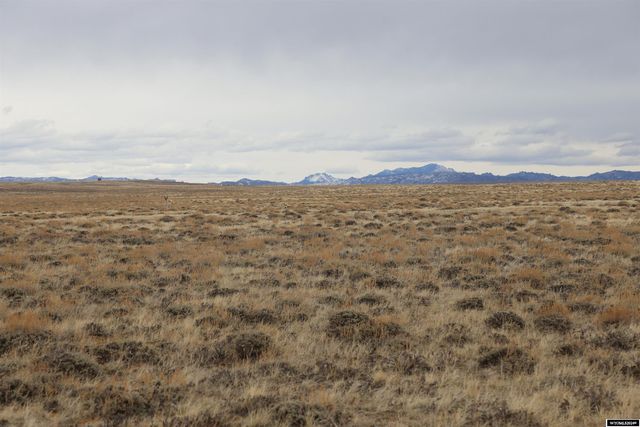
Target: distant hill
33,179
246,182
92,178
104,178
431,173
614,175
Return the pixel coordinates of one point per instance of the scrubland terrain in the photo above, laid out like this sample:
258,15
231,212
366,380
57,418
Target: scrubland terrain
471,305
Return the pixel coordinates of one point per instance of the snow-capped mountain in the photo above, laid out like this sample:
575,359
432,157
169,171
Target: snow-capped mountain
321,178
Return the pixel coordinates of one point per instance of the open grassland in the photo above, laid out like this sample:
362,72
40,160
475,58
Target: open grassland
418,305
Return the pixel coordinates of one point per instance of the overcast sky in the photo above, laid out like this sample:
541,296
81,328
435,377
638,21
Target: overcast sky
207,90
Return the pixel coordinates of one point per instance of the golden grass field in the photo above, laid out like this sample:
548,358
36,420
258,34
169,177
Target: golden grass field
497,305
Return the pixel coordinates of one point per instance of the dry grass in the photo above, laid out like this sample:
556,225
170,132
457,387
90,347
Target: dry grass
417,305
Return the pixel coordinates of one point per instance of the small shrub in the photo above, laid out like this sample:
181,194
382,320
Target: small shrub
455,334
568,350
295,414
508,361
428,287
236,348
370,299
618,340
96,330
23,341
470,304
16,391
253,316
180,312
632,370
253,404
387,282
350,325
117,405
72,364
407,363
584,307
553,323
222,292
449,273
597,398
498,413
128,352
506,320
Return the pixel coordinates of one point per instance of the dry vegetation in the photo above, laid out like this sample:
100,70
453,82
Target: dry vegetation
418,305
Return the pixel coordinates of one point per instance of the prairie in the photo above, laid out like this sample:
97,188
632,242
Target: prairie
175,304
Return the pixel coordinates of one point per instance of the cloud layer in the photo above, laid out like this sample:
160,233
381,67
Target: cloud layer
209,90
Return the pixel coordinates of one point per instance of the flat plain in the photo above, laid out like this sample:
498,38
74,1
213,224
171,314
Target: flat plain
175,304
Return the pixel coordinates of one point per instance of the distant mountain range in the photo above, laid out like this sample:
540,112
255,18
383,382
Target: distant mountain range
92,178
433,173
428,174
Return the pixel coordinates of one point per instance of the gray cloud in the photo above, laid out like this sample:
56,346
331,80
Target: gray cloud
537,143
631,149
27,134
199,88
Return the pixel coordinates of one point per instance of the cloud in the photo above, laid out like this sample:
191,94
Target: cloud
143,88
541,128
535,144
618,137
27,134
190,152
342,170
631,149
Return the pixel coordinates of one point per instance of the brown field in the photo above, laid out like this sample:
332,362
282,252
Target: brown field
497,305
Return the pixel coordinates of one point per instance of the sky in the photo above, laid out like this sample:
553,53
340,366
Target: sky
204,91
